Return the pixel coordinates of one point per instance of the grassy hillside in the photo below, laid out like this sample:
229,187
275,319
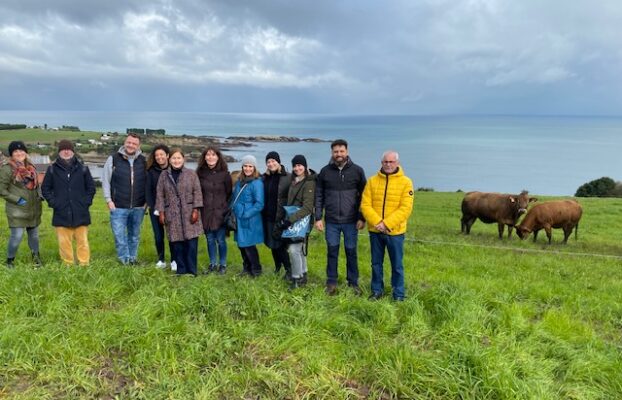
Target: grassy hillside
484,319
33,136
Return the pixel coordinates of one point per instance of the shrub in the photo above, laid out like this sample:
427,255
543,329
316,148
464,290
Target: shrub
602,187
137,131
12,126
155,131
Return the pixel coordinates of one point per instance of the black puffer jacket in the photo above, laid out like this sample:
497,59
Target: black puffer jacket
338,193
69,190
275,188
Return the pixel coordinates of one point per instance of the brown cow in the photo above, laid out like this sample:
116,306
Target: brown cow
563,214
504,209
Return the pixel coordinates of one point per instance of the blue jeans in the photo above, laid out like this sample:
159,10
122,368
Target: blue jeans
16,238
186,256
350,240
395,247
216,241
125,223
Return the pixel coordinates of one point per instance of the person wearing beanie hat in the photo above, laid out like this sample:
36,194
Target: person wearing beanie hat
276,183
69,188
17,145
247,201
65,145
338,199
299,159
19,187
273,155
302,195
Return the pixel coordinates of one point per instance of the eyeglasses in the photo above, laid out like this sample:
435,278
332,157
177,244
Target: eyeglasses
388,162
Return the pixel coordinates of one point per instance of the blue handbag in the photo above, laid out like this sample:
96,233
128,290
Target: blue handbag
299,229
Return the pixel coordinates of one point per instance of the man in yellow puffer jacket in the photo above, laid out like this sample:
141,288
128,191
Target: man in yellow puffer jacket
386,205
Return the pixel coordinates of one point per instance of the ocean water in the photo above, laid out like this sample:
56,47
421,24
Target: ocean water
545,155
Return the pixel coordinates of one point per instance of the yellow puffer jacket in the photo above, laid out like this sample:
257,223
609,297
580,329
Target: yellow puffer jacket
388,198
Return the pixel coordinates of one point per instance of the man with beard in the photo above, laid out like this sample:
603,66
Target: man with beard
338,193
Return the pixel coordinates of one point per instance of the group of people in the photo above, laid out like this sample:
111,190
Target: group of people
185,204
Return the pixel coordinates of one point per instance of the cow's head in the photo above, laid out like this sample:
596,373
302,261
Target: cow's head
521,202
522,232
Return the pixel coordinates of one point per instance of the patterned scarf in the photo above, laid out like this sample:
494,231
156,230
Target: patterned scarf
24,173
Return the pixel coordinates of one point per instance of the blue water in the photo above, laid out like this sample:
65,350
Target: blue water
546,155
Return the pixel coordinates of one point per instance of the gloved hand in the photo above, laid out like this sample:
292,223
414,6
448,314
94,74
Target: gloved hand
21,202
161,218
195,216
285,224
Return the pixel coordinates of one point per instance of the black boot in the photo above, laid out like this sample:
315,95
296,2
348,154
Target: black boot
294,283
10,262
36,260
222,269
303,280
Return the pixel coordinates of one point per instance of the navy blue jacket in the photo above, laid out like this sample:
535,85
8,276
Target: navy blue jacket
69,190
338,193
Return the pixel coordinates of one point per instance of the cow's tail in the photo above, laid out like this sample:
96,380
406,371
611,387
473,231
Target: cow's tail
576,232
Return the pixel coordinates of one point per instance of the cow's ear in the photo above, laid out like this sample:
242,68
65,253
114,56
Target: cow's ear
533,199
512,199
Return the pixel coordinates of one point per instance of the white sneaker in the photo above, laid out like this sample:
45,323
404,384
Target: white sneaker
173,266
160,265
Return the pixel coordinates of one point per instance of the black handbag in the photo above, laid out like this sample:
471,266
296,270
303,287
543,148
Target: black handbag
231,221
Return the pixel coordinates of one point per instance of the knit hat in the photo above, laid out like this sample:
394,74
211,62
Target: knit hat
65,145
273,155
249,160
17,145
299,159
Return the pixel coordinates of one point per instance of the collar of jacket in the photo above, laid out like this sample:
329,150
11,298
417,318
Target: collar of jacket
127,156
333,164
398,172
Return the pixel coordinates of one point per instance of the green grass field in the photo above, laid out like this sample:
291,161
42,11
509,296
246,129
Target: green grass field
34,136
484,319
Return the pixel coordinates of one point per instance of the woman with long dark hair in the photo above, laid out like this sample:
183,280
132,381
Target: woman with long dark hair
156,163
216,187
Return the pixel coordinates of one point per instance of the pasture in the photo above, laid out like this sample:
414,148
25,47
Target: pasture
484,319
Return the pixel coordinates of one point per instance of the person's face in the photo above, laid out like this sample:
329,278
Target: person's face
19,155
176,160
298,169
248,169
131,145
390,163
272,165
66,154
339,154
161,158
211,158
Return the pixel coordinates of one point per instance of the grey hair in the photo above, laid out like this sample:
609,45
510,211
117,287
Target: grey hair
386,153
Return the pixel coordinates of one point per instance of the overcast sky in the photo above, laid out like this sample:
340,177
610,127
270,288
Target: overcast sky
359,56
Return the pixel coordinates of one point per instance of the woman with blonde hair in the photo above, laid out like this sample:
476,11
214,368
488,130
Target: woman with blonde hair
20,188
247,201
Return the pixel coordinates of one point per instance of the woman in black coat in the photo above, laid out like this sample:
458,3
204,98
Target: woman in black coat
68,188
156,163
276,183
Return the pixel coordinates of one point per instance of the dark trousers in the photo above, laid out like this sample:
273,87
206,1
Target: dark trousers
350,239
158,236
250,259
186,256
281,258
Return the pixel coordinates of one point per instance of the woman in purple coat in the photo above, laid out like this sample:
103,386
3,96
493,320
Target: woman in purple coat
178,202
216,188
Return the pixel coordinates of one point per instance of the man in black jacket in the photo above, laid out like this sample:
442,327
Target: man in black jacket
338,193
68,187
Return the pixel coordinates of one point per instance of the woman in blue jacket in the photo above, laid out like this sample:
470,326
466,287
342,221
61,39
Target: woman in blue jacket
247,202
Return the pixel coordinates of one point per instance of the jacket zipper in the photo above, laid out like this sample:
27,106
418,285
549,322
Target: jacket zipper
384,200
132,185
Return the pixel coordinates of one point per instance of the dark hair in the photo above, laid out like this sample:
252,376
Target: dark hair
151,159
221,164
134,135
339,142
